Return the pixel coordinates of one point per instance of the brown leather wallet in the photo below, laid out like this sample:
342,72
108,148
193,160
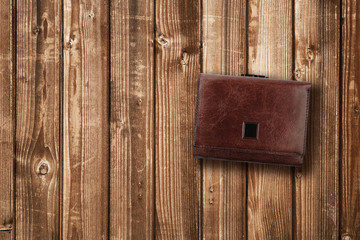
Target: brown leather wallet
251,119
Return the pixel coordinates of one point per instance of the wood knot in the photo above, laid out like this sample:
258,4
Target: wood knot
298,74
298,174
346,236
184,57
211,189
140,196
120,123
356,111
162,40
211,201
68,45
139,101
91,15
43,168
36,30
310,54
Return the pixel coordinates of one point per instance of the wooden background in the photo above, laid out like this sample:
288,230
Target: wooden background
97,108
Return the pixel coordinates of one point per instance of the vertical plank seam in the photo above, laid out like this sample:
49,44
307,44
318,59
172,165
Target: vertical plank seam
225,53
322,33
293,40
61,120
247,47
201,61
14,110
293,212
246,199
109,121
246,72
323,104
338,219
292,5
154,122
293,184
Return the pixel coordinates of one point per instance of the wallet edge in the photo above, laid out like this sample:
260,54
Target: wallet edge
297,158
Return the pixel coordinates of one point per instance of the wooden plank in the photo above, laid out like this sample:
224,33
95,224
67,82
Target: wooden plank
224,183
177,69
85,120
317,37
350,162
270,54
132,120
7,122
37,118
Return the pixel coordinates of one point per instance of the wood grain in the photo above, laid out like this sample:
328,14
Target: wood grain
37,118
132,120
7,122
177,69
224,183
85,120
317,37
350,162
270,54
97,102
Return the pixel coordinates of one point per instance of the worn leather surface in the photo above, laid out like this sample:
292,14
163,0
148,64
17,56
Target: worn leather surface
279,107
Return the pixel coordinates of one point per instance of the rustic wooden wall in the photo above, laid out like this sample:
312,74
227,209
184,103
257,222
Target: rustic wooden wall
97,107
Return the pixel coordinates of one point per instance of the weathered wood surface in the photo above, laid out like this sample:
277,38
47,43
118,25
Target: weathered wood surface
37,119
270,36
317,43
7,122
85,120
97,102
132,120
177,68
350,157
224,183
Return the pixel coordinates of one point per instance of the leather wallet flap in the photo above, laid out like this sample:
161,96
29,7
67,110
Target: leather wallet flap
249,119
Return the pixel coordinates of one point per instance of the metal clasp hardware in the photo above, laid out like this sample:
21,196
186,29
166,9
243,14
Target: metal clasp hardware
253,75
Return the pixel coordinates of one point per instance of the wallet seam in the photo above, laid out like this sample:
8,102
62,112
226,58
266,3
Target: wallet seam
196,109
249,151
306,121
274,80
295,164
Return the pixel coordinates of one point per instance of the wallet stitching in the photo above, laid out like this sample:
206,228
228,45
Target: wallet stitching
296,164
306,121
248,150
196,109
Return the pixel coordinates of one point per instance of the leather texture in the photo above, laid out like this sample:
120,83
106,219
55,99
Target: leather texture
226,104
